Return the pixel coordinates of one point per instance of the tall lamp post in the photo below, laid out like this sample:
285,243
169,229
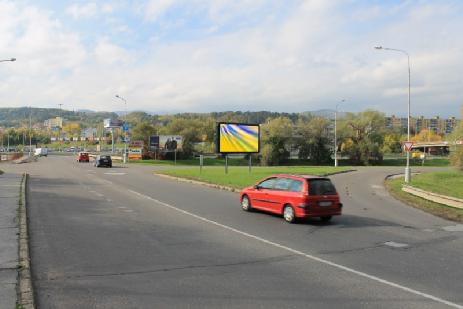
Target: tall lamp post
408,174
335,134
124,157
4,60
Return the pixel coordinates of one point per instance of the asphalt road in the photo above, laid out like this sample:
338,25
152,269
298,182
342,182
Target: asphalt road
124,238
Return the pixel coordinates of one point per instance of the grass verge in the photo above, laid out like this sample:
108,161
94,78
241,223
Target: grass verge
448,183
394,186
239,177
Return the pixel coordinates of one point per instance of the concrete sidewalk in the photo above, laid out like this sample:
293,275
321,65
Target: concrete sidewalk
9,198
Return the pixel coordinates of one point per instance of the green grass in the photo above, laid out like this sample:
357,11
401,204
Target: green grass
194,162
446,183
239,177
394,186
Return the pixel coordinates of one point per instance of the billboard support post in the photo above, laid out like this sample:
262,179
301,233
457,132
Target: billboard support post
250,163
201,164
226,164
175,157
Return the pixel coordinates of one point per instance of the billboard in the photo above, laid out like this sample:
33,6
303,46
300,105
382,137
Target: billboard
135,150
112,123
170,142
238,138
154,141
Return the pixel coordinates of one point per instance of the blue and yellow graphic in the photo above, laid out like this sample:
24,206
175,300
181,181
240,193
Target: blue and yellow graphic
238,138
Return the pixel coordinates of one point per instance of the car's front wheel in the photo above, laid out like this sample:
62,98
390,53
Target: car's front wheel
288,214
246,203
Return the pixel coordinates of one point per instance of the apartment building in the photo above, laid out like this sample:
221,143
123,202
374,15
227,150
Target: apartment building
56,122
436,124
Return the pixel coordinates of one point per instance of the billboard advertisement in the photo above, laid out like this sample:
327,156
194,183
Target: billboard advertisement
170,142
112,123
238,138
154,141
135,150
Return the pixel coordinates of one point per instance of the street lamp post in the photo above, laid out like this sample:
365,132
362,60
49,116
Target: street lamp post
11,59
124,157
30,131
408,174
335,134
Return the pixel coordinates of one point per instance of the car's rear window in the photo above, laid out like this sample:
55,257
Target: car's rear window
105,157
321,187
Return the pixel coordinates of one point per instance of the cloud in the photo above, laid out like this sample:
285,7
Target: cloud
305,56
155,8
87,10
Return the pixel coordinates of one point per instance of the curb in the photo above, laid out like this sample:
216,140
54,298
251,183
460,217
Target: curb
434,197
226,188
25,291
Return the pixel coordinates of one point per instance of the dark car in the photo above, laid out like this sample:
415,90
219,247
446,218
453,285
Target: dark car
293,196
103,161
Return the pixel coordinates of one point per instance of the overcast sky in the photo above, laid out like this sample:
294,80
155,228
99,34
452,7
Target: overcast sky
216,55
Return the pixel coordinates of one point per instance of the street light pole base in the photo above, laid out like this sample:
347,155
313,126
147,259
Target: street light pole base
408,175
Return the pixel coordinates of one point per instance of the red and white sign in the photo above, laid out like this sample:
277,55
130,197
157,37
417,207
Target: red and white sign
408,146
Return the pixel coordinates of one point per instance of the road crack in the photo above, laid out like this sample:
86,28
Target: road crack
179,268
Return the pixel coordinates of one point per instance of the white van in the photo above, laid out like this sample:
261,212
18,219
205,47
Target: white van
41,152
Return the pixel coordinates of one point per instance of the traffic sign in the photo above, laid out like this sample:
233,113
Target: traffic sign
408,146
125,127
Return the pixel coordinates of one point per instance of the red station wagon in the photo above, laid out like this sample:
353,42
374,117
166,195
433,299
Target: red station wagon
293,196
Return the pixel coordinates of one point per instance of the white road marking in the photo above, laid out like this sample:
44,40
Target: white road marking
309,256
104,181
114,173
395,244
453,228
96,193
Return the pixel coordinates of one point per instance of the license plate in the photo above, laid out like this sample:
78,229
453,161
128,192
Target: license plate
325,203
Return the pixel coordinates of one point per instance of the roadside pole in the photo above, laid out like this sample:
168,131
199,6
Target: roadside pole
112,140
226,164
250,163
201,163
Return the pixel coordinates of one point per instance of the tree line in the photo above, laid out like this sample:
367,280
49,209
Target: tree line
362,137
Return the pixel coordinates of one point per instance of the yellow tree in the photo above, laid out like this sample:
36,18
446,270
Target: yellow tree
427,135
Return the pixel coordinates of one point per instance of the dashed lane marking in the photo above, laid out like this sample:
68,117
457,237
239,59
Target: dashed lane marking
395,244
309,256
453,228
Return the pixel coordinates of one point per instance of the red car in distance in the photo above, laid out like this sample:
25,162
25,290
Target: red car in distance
293,197
83,157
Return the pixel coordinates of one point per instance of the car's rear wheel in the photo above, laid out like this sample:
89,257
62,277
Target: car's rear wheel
288,214
246,203
326,218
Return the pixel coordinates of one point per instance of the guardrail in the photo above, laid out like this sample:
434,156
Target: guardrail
434,197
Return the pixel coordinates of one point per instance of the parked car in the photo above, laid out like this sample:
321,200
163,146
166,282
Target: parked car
103,160
83,157
293,197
